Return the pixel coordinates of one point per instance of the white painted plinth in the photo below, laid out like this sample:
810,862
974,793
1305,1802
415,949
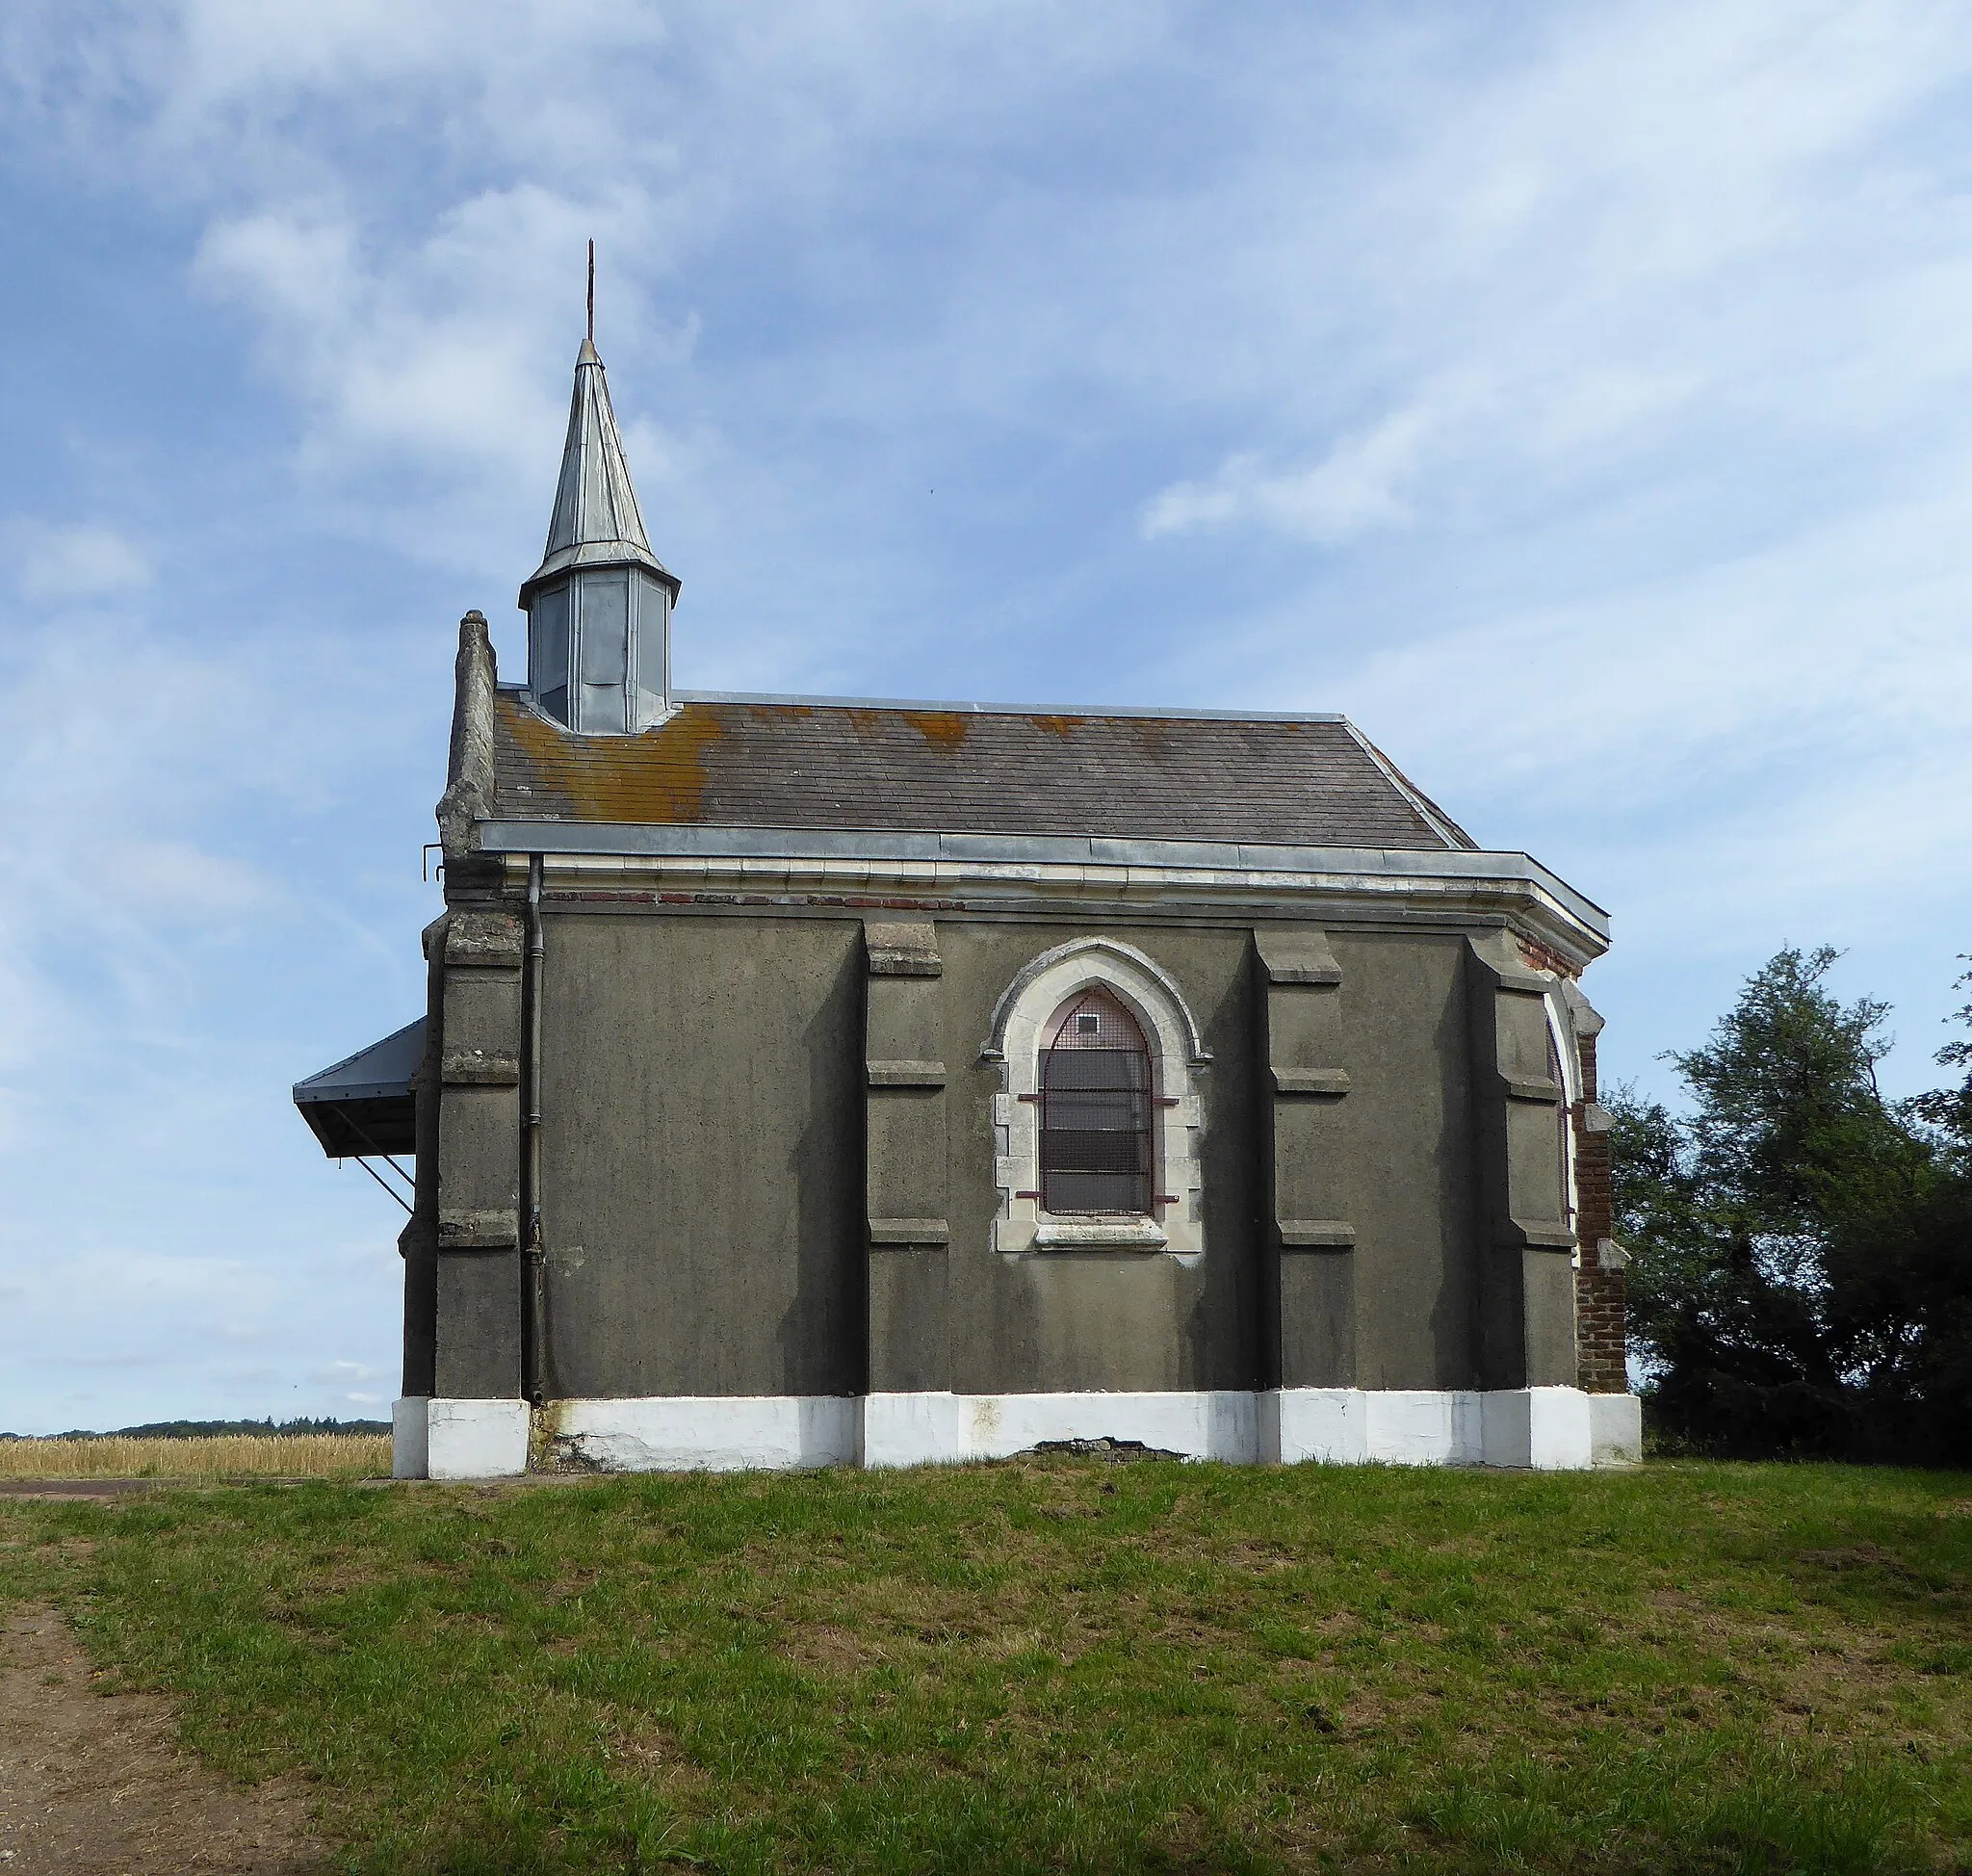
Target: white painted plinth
410,1447
1616,1429
915,1430
1354,1426
1425,1426
1544,1428
459,1438
1325,1424
706,1433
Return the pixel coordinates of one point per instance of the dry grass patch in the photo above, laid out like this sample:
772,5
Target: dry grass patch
233,1455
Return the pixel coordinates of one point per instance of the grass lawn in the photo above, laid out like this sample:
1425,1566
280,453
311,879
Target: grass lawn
1066,1664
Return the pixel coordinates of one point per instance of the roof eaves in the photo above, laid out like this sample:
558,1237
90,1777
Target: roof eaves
632,839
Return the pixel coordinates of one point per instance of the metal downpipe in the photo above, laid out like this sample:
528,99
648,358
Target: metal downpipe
534,1295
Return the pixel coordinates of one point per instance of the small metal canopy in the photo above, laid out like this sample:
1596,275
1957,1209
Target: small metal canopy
362,1108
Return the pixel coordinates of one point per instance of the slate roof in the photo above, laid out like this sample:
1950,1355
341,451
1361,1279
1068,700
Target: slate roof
829,764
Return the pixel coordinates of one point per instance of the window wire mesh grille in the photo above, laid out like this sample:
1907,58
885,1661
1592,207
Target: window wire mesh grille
1096,1112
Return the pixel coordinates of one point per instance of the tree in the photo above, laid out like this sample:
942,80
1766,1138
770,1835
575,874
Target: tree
1942,1362
1801,1275
1950,1109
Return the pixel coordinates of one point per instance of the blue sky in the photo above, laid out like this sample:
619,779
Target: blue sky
1581,398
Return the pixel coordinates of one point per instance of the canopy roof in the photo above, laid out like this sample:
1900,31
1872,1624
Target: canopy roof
363,1107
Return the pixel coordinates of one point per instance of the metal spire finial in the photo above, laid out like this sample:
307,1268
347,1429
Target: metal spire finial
592,293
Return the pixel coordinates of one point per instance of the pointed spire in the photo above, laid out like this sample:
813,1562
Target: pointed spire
595,520
599,605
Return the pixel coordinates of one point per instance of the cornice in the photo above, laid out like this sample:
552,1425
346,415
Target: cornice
1061,873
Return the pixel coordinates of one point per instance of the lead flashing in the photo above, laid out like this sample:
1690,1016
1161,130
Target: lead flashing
794,699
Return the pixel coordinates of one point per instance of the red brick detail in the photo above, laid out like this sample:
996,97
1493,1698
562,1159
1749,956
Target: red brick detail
1601,1320
1600,1332
1543,959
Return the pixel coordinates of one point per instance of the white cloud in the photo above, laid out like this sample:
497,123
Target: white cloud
426,354
1848,643
74,563
153,787
1357,487
1708,231
345,1374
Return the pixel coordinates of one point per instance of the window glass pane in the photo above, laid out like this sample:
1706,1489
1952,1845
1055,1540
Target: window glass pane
652,603
1098,1192
1096,1140
605,629
548,649
653,650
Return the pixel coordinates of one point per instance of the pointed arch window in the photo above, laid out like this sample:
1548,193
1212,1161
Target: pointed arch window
1103,1153
1097,1154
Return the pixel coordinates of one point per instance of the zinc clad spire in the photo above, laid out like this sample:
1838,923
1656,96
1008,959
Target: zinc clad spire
596,520
599,605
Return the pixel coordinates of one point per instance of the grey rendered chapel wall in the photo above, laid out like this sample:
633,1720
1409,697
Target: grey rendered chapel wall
702,1183
732,1102
1403,1148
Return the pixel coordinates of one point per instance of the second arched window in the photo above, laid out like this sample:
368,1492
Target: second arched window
1096,1101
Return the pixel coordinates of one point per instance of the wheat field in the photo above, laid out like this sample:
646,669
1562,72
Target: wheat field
232,1455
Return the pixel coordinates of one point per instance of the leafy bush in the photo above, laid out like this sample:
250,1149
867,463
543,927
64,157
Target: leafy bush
1801,1275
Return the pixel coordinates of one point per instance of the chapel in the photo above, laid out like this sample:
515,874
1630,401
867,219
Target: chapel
846,1081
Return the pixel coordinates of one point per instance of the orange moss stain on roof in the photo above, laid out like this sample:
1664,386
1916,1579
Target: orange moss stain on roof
658,778
1062,726
943,729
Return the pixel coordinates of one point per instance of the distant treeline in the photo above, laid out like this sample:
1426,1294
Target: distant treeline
210,1429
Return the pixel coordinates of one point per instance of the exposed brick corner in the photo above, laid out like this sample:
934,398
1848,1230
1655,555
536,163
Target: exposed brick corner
1601,1318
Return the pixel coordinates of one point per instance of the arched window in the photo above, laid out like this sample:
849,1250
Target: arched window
1096,1095
1098,1124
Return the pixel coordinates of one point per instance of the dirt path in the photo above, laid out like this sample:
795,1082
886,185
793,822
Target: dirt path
92,1783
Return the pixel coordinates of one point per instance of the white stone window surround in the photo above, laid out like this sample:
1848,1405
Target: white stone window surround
1179,1058
1561,1027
